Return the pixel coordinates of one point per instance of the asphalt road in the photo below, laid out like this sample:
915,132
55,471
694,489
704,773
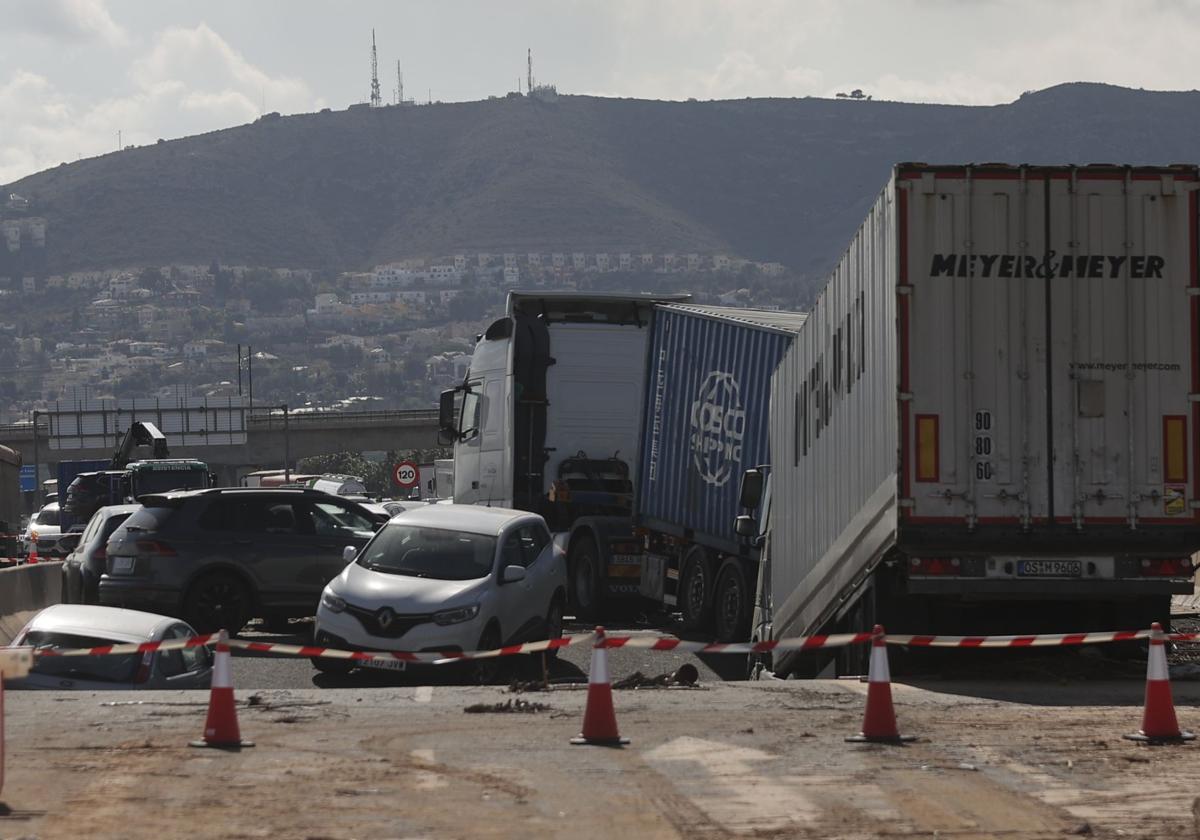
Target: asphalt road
264,671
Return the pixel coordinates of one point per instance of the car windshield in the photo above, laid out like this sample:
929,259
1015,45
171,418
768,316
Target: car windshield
47,517
430,553
115,669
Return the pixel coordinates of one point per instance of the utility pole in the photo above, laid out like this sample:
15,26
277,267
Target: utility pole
239,363
529,72
250,371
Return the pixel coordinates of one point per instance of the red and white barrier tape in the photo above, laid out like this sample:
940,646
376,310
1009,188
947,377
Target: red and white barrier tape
142,647
648,642
434,657
1043,640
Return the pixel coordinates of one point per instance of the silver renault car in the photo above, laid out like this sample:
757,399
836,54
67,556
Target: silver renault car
445,577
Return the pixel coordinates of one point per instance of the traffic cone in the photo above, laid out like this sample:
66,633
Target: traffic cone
221,727
879,722
1159,725
32,556
599,719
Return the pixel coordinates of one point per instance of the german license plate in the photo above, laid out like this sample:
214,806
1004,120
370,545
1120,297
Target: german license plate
387,664
1050,568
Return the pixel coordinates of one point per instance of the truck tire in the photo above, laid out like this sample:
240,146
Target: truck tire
583,560
732,603
696,590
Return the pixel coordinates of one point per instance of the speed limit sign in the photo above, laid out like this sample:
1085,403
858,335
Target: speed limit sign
406,475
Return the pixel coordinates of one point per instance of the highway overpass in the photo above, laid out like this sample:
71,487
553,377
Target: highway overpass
271,438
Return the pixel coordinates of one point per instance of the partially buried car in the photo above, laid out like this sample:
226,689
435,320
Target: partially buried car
445,578
68,626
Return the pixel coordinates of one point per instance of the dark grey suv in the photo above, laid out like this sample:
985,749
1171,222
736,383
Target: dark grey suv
219,557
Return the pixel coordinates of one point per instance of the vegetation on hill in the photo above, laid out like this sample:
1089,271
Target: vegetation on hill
783,180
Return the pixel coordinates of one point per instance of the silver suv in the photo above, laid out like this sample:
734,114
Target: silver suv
219,557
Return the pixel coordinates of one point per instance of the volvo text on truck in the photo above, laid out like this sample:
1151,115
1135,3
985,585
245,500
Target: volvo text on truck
989,422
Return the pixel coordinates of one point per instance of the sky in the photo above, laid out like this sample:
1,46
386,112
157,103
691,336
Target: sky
79,76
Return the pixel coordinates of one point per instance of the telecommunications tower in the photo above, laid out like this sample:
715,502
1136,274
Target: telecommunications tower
376,100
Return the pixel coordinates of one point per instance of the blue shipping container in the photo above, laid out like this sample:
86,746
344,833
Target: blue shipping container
705,418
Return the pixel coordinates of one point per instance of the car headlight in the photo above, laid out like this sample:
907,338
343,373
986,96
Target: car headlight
332,602
456,616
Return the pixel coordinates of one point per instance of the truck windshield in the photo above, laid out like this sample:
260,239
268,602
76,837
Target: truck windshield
429,552
160,481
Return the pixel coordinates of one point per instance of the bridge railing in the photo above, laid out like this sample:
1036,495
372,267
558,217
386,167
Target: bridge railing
272,419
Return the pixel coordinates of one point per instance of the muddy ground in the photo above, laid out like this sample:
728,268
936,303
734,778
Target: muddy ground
995,759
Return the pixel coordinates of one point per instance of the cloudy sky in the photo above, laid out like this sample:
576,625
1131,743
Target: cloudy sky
75,72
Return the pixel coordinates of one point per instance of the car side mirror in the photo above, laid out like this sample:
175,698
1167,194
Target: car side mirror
750,494
513,574
349,553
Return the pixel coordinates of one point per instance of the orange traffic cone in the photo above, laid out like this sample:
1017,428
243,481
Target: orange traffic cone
599,719
879,722
221,727
32,556
1159,725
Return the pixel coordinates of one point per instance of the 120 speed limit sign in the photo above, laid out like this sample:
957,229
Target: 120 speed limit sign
406,475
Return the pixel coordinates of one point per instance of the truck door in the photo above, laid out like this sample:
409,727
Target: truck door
1047,347
480,457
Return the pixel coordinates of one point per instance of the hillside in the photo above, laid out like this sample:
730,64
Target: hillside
768,179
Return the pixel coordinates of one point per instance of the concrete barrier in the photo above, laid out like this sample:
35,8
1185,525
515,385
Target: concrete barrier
23,591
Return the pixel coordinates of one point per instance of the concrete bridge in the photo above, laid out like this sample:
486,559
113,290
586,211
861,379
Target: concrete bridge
272,438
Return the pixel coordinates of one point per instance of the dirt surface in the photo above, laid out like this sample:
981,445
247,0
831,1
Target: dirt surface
726,760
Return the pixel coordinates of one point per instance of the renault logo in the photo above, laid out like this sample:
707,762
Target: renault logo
385,617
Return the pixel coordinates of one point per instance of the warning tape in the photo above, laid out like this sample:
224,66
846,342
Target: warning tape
141,647
647,642
434,657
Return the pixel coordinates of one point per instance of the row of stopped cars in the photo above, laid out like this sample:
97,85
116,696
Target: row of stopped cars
435,577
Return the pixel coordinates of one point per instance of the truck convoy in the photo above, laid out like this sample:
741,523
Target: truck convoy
551,419
991,420
987,423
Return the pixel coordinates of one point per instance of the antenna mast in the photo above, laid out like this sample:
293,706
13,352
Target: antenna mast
399,84
529,72
376,99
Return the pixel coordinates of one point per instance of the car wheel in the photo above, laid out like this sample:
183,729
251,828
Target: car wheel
554,624
487,671
217,601
696,590
731,603
584,563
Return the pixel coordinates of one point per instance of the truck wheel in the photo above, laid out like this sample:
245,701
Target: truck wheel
731,603
695,590
584,563
217,601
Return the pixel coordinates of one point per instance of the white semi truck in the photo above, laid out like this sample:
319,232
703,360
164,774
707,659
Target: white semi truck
991,420
626,421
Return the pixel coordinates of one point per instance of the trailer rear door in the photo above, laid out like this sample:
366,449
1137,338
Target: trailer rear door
1048,346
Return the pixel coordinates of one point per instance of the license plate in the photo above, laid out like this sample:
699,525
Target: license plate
1050,568
388,664
122,564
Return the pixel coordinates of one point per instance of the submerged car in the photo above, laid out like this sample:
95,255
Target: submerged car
445,578
67,626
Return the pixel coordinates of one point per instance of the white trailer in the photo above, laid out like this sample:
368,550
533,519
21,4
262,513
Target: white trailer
995,401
